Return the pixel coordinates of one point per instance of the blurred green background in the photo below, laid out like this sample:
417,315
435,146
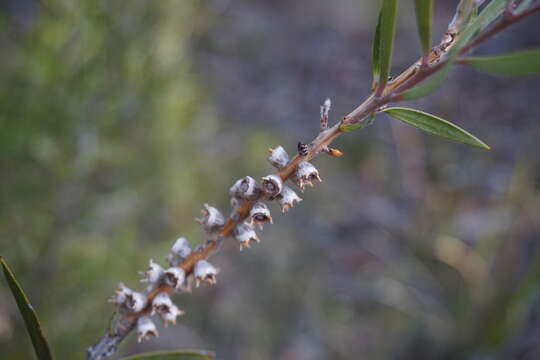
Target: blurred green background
119,119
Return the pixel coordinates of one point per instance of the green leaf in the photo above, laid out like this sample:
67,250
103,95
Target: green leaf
428,86
387,24
525,62
41,346
424,14
522,6
360,125
434,125
375,54
174,355
490,12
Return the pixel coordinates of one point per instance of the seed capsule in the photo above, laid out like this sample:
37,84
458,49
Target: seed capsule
245,234
306,173
245,188
171,315
146,328
278,157
181,247
204,271
260,214
135,301
272,185
163,305
153,274
120,295
179,251
287,198
211,219
174,277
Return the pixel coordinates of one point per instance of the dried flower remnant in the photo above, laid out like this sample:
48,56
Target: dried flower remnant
146,328
278,157
179,251
306,174
260,214
153,274
128,300
174,277
272,185
164,307
211,219
171,315
245,235
287,198
245,188
205,272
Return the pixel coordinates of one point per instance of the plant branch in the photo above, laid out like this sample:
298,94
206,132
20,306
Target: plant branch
413,75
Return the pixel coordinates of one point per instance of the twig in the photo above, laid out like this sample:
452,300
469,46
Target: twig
415,74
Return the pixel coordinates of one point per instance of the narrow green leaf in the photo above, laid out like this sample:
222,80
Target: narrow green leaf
41,346
424,14
360,125
428,86
525,62
522,6
375,54
174,355
387,31
434,125
490,12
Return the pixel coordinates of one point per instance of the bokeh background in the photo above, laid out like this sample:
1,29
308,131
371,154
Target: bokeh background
119,119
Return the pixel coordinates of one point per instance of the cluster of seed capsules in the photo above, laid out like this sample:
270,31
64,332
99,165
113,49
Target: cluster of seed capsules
155,300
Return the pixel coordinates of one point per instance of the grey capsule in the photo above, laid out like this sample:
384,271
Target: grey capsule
174,277
146,328
287,198
211,219
245,235
153,274
271,185
305,174
260,214
278,157
204,271
245,188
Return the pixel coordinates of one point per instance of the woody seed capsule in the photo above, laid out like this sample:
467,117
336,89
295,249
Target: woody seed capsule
135,301
145,328
306,173
179,251
260,214
272,185
204,271
211,219
245,188
153,274
245,234
287,198
278,157
174,277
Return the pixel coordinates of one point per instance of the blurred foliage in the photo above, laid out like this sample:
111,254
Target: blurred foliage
119,119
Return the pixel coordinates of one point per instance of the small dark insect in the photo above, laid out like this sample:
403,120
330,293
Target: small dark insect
302,149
